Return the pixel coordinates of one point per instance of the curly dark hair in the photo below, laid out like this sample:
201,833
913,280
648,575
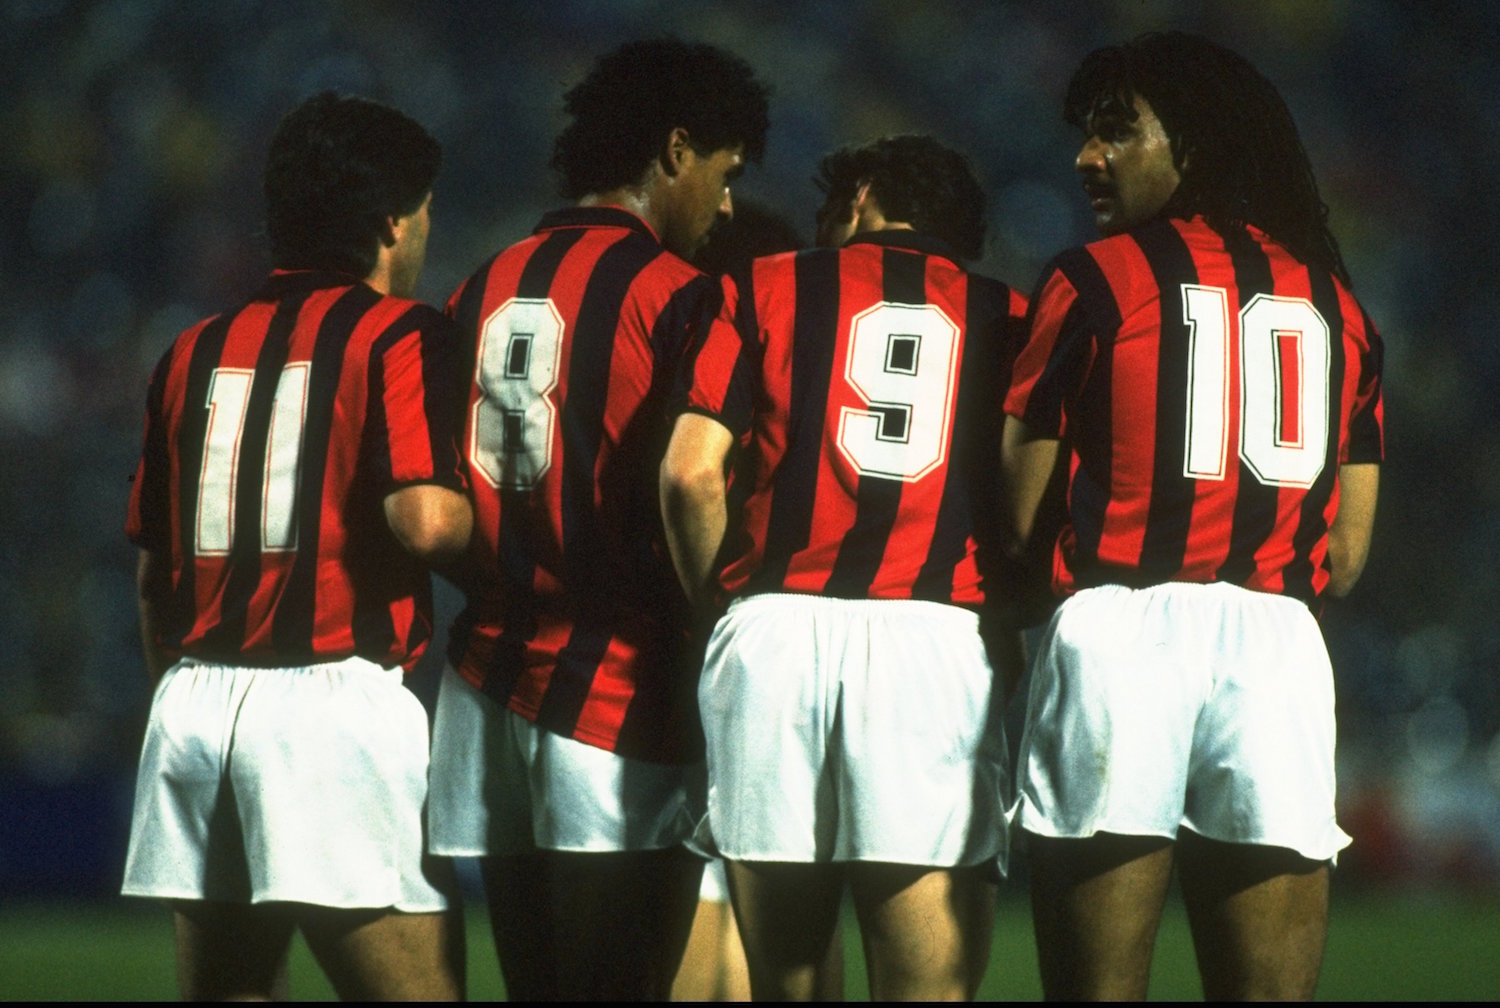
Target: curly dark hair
916,180
1233,139
337,168
636,95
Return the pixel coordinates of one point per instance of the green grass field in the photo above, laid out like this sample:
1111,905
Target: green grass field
1405,947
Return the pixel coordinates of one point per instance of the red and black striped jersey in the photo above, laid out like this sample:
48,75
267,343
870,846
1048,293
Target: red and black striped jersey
273,435
1210,385
575,335
864,385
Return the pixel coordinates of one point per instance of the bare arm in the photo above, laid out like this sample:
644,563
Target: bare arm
1349,535
1027,461
431,522
693,500
153,580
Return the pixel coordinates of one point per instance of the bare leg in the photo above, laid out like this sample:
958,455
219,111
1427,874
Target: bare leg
1096,904
386,955
1259,917
713,967
926,930
231,951
591,926
787,915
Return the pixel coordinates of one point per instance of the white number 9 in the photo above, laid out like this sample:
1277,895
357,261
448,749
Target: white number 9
902,362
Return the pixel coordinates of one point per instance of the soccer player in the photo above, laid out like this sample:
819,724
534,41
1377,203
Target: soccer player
566,735
300,469
1219,387
852,717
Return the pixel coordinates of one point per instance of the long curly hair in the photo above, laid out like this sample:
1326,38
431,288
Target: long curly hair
1233,139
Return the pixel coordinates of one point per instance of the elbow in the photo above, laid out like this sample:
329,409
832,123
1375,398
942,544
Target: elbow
688,485
432,524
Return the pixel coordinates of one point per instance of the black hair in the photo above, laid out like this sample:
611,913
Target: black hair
1233,140
636,95
752,232
916,180
338,167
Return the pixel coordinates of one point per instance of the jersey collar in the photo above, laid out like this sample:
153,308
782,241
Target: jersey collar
915,241
595,216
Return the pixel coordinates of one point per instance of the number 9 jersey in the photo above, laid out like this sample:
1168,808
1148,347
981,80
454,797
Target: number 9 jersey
864,384
1210,385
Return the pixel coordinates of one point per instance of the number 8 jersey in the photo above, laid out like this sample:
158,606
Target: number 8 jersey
864,384
1210,386
576,333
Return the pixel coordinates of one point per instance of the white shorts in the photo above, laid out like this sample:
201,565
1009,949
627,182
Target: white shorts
501,785
300,785
852,730
1205,706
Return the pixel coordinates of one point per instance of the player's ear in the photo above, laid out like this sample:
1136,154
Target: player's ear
675,151
388,229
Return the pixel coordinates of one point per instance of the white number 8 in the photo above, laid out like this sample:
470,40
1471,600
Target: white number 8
902,362
510,433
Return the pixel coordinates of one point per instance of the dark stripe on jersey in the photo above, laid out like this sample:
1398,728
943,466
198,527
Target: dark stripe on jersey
789,525
1297,577
582,419
374,628
971,498
193,430
242,576
878,498
1096,311
1254,502
1170,511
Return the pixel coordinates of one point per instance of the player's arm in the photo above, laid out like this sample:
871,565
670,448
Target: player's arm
1349,535
432,523
1027,460
693,504
153,579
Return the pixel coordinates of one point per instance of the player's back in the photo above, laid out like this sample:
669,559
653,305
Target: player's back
1226,382
870,467
576,332
274,432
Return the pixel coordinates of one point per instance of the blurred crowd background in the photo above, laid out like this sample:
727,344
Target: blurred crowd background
134,134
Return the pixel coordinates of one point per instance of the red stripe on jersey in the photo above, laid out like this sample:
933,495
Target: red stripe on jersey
266,464
577,331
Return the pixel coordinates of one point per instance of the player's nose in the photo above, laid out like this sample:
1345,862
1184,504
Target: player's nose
726,205
1090,156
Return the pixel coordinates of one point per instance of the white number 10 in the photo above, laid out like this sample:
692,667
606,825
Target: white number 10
1283,390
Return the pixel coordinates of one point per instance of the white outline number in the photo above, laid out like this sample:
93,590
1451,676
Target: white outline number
902,362
218,477
1285,355
512,423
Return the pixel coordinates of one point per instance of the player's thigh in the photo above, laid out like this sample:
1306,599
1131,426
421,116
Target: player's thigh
787,914
1259,918
926,930
231,951
385,955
